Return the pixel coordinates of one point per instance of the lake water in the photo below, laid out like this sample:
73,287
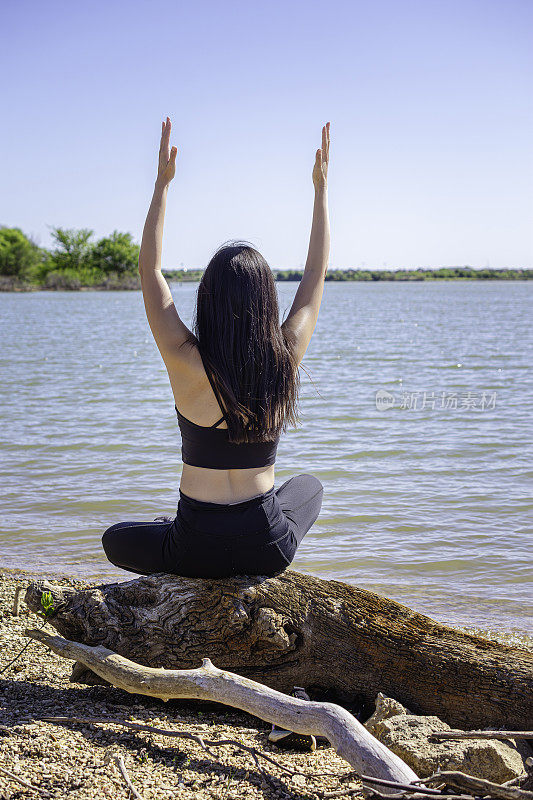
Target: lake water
427,488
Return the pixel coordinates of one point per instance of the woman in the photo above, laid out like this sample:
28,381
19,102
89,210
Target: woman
235,384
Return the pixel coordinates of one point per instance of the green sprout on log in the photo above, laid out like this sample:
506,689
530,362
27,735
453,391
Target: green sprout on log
47,605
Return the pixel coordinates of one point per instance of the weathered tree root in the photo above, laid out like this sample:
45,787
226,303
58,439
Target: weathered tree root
340,642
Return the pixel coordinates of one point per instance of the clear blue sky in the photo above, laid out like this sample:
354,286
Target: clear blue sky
430,105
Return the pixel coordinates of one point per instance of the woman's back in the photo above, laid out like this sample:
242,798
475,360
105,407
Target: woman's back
196,401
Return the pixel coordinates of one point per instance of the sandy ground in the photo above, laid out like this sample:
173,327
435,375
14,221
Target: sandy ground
76,761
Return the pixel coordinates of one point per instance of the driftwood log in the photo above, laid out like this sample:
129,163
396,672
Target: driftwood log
350,739
339,642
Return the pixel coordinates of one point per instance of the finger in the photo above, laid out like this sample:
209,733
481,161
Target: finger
163,132
164,136
173,153
326,141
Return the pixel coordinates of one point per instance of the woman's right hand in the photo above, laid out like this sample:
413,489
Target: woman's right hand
320,170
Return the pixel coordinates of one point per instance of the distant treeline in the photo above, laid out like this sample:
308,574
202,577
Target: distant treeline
77,262
442,273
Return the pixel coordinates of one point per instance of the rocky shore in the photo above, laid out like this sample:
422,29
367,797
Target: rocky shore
82,760
77,761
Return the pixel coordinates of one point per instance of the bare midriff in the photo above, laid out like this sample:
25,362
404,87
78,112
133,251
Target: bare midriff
225,485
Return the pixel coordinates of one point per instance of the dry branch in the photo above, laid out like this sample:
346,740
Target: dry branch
119,761
350,739
17,600
482,735
20,780
206,744
478,786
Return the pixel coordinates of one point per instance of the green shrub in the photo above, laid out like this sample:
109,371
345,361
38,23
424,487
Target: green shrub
19,256
115,254
72,249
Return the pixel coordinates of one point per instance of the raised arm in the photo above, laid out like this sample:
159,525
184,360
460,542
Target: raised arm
303,314
168,329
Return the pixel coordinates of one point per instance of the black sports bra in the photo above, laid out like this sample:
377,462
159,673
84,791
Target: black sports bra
209,446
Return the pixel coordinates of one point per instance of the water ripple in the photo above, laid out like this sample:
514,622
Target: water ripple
424,502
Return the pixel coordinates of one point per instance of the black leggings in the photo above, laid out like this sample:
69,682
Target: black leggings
258,536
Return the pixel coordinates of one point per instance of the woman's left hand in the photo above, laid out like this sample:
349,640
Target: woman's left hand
167,156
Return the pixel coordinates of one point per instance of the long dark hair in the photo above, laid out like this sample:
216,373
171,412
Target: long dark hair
248,355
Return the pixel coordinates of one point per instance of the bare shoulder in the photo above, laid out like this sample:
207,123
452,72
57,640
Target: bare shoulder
186,373
185,362
193,394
